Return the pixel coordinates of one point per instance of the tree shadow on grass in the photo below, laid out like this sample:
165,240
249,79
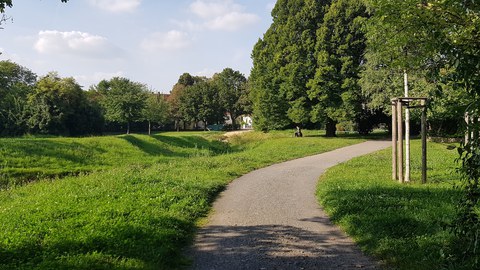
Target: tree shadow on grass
148,147
373,136
216,147
404,226
275,247
72,152
154,245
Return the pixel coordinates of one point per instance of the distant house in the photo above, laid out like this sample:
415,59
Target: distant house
246,122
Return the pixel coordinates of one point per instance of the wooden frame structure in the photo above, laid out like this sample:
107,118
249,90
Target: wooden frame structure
397,136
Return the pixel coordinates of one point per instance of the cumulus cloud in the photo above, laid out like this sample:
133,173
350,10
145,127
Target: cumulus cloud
212,9
74,43
172,40
88,80
222,14
232,21
116,6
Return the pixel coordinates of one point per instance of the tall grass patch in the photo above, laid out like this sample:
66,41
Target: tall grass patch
404,225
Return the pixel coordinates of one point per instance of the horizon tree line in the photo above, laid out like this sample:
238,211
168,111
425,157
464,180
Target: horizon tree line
59,106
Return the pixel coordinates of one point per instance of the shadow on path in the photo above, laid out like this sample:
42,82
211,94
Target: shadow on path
275,247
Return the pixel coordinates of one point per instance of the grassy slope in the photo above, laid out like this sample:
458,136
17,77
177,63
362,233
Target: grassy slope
138,209
404,225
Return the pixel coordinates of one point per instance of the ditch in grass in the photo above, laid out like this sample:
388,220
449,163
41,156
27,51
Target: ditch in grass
403,225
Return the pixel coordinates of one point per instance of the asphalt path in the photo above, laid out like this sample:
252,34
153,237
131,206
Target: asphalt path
270,219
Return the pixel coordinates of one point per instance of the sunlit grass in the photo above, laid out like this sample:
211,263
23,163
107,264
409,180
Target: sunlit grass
403,225
138,205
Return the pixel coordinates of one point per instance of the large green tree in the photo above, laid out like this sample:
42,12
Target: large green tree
16,83
185,80
339,53
59,106
232,92
284,61
200,102
156,110
122,100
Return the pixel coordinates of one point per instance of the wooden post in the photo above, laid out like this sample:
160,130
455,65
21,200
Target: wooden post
394,140
407,130
400,141
424,141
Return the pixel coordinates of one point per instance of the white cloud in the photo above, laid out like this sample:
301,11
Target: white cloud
95,78
232,21
172,40
74,43
116,6
212,9
222,14
207,72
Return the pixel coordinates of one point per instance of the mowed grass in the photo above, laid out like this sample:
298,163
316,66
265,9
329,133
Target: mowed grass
138,205
403,225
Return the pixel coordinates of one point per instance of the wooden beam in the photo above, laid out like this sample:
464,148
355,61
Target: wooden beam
394,140
400,141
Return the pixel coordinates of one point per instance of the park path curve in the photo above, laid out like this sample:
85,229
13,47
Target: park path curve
270,219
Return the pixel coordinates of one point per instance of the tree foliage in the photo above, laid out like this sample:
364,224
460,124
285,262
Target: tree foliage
284,62
200,102
444,36
232,92
122,100
59,106
156,110
16,83
339,53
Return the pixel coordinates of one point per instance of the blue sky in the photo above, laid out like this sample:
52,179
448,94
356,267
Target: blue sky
148,41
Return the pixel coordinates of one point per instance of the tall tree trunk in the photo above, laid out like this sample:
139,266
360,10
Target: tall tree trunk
149,128
331,128
128,127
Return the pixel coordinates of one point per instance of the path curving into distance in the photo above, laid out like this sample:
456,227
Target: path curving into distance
270,219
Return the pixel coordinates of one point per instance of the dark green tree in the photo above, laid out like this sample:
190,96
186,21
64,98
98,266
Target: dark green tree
16,83
232,91
339,52
122,100
59,106
200,102
185,80
284,61
156,111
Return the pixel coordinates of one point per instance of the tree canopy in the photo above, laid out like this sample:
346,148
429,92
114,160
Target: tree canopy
307,65
123,100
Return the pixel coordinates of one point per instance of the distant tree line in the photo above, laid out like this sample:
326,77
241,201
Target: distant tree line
58,106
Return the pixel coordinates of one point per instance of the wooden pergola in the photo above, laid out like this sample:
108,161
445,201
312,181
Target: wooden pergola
397,136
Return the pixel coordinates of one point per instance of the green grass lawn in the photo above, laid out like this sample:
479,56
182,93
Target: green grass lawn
402,225
124,202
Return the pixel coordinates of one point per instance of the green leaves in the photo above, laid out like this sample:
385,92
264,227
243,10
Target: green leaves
123,100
